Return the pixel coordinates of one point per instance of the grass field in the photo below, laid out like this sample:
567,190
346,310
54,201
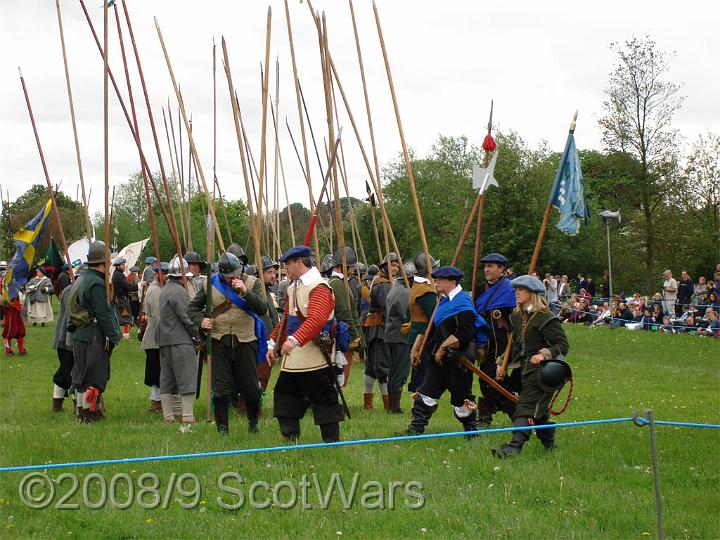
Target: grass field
598,484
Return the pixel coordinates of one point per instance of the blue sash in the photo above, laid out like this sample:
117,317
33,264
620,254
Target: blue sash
462,302
498,296
260,330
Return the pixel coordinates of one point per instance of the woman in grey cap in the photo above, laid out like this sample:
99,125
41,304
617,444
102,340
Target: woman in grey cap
538,336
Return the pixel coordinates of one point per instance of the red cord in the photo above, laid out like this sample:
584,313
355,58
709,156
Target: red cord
567,399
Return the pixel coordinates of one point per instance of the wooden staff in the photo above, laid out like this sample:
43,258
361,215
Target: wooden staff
353,221
406,155
175,180
375,181
108,285
282,175
193,148
373,219
208,285
541,234
331,163
156,139
51,192
128,120
178,160
369,115
302,127
263,126
276,180
148,200
239,134
88,227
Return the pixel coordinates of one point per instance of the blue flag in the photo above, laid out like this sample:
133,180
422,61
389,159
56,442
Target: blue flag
568,193
26,240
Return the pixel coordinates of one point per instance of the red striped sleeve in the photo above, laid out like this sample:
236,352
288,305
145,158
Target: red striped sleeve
274,336
320,306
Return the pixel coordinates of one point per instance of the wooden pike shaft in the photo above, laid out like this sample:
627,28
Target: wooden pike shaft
51,192
156,139
282,175
108,285
353,221
239,134
193,148
175,179
302,124
371,174
406,155
148,200
263,127
369,114
479,229
88,227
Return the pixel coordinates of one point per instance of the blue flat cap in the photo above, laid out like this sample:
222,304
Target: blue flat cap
163,266
448,272
531,283
296,253
119,261
495,258
134,269
150,260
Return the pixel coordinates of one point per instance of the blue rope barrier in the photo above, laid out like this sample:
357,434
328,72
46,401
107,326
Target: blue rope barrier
308,446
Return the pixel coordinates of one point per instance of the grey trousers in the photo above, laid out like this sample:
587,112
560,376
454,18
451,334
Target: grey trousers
178,369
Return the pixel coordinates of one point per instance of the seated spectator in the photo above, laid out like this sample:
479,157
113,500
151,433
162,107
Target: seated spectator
583,294
712,302
666,327
578,315
657,300
604,315
691,327
713,327
647,319
683,315
657,313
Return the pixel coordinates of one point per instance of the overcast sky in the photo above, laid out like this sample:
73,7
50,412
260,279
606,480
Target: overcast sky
538,61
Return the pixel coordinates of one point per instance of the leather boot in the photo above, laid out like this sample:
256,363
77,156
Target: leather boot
386,402
395,397
421,416
368,398
484,412
91,416
81,412
57,405
515,445
155,406
330,432
220,406
469,423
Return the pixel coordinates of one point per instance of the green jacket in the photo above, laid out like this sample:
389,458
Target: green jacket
91,296
544,334
344,311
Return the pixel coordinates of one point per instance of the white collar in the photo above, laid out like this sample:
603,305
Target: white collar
337,274
310,276
452,294
420,279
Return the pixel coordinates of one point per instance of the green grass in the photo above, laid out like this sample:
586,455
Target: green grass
598,484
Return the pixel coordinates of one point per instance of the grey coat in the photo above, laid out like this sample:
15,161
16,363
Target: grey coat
63,338
397,313
151,308
174,326
38,289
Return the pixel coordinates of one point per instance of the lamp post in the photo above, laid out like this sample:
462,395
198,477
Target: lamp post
607,215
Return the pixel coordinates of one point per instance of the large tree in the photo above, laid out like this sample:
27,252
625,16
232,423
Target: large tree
639,108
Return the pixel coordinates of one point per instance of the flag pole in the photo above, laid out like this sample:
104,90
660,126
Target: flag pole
536,253
51,192
481,214
88,227
546,216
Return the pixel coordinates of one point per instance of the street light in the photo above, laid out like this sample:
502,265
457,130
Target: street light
607,215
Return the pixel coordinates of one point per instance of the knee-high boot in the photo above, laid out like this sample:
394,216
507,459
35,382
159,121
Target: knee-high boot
220,406
519,438
421,416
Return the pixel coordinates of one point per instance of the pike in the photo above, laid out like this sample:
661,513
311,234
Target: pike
282,175
51,192
193,148
88,227
106,163
175,178
263,131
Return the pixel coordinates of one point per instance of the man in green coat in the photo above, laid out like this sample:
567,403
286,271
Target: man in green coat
95,333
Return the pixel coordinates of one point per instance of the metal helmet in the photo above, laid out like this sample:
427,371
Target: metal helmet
350,257
327,264
362,268
251,270
372,270
267,262
229,265
239,252
3,265
96,252
410,269
194,257
393,258
175,268
553,374
421,265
